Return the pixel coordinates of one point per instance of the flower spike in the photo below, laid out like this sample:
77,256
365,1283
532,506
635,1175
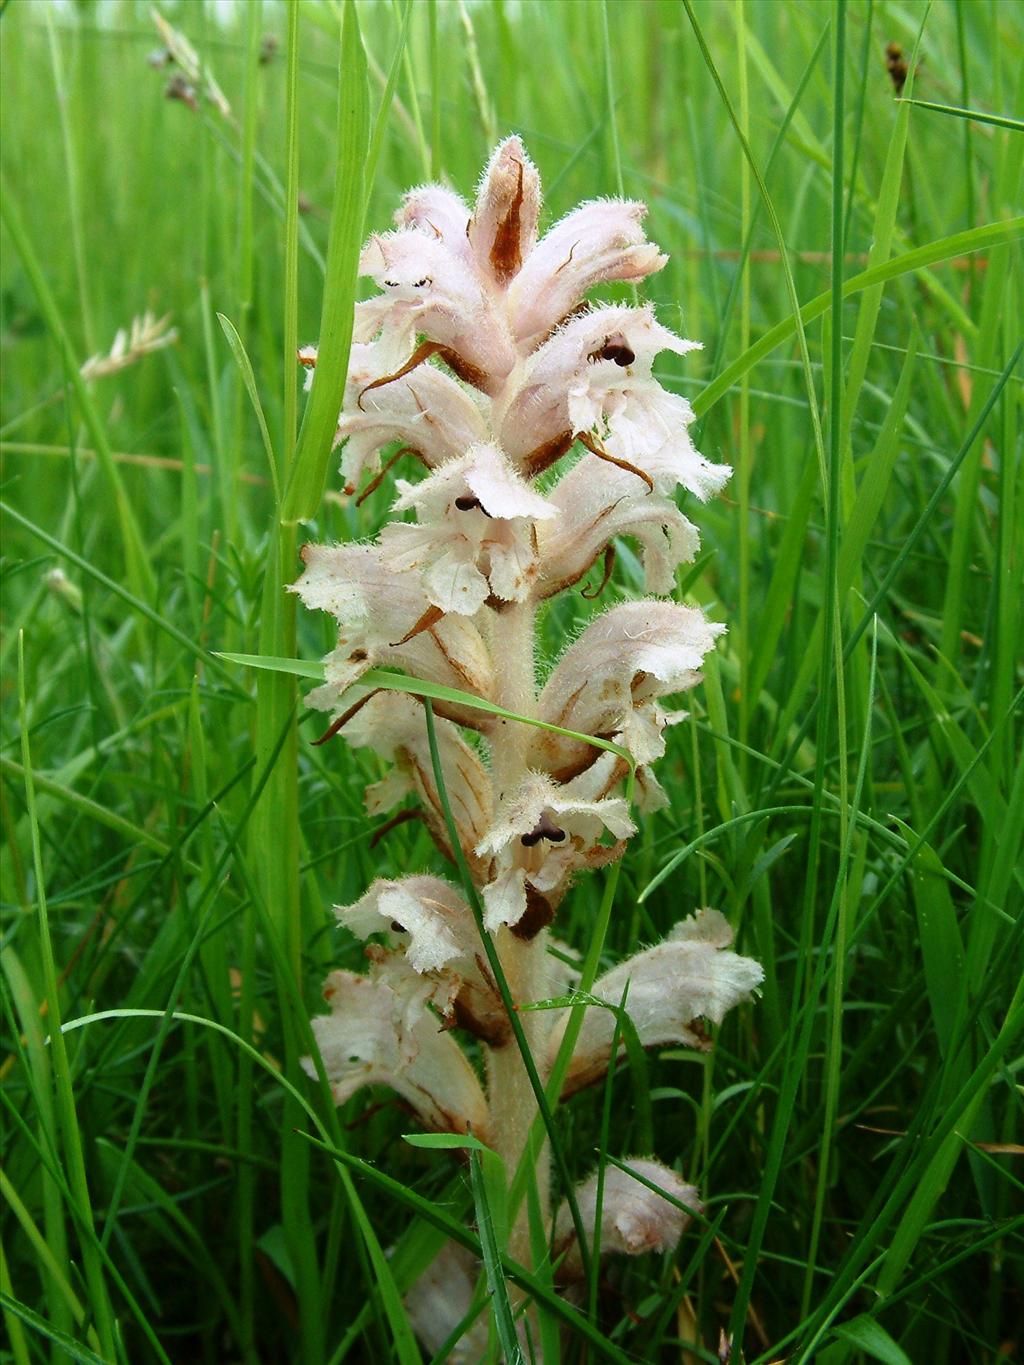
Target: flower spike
525,435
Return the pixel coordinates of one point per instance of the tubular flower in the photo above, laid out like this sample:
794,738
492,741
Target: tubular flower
535,436
380,1032
430,415
634,1217
691,975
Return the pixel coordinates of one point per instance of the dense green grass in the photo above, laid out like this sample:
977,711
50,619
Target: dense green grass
849,790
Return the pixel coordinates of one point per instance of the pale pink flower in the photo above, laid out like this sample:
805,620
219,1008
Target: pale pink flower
439,1300
430,413
439,211
475,535
634,1218
380,1032
598,502
594,376
597,242
395,727
429,920
481,361
542,833
444,298
609,680
387,619
690,975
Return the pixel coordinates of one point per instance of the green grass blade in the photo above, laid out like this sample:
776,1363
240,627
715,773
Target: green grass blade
249,380
943,249
1016,125
497,972
307,473
100,1307
490,1250
136,561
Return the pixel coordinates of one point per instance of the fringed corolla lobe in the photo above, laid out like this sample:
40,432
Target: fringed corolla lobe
609,682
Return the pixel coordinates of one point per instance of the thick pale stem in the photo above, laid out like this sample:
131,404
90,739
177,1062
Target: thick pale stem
512,1101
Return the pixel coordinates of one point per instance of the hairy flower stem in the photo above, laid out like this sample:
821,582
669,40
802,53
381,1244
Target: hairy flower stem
513,1103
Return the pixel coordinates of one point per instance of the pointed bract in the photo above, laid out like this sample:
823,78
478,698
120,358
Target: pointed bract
503,229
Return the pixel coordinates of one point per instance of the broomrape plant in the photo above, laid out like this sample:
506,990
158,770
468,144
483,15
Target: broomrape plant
544,435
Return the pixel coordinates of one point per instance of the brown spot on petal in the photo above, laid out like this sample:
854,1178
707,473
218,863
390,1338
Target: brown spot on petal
588,754
464,370
491,1028
545,828
468,503
506,250
615,348
603,854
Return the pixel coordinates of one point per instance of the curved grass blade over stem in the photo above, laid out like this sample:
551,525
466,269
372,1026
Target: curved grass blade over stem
494,963
419,687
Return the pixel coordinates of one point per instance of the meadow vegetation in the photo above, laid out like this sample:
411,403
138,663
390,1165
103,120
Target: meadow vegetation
848,789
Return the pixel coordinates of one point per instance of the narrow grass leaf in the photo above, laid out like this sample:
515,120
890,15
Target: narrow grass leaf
308,471
491,1249
249,380
869,1336
975,115
942,249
